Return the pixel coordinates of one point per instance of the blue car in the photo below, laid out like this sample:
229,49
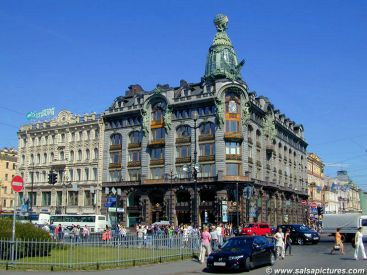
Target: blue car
242,253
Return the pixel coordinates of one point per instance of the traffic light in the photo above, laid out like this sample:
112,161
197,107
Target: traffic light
52,177
320,210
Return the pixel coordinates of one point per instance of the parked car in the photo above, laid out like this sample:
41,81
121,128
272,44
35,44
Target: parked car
258,229
301,234
245,252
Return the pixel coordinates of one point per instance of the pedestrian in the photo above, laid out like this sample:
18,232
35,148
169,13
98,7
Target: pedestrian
214,238
205,245
76,232
85,233
219,234
338,242
358,240
279,242
288,242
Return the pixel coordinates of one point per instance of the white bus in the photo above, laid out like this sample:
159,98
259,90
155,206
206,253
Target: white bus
95,223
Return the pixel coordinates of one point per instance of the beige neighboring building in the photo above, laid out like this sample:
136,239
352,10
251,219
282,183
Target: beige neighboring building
70,145
331,197
8,165
315,179
348,193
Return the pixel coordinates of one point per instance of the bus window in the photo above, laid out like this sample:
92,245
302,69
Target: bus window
363,222
101,218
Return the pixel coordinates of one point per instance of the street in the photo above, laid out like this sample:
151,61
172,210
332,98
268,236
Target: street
306,256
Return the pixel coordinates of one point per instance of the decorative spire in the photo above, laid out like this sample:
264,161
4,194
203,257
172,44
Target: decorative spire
222,60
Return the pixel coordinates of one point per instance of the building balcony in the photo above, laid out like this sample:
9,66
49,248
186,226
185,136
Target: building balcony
134,164
157,162
233,157
268,167
258,144
183,140
258,163
236,178
207,158
157,143
154,181
114,147
236,136
206,137
183,160
134,145
249,140
157,123
250,160
114,165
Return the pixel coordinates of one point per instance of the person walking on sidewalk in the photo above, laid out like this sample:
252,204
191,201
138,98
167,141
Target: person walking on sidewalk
358,239
205,245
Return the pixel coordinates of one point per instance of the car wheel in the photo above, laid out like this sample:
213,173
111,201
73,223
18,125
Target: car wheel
272,258
248,264
300,241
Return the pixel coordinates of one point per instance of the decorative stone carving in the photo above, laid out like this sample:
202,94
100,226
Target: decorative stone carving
146,121
219,104
168,118
269,126
246,114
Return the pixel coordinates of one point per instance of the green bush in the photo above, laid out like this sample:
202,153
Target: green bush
30,240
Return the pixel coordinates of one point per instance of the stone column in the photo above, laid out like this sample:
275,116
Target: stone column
146,211
221,195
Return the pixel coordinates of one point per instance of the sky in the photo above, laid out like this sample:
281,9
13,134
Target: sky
308,57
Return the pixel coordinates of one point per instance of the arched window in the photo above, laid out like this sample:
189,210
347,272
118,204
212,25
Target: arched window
71,155
52,157
95,153
135,137
87,154
32,158
258,134
116,139
207,128
62,155
44,158
158,111
38,158
183,131
79,155
233,103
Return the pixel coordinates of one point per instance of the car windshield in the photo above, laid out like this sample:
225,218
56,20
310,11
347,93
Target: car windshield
237,244
302,228
249,226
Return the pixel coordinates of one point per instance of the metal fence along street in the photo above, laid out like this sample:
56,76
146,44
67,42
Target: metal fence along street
94,254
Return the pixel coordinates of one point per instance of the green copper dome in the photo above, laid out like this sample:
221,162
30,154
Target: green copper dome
222,60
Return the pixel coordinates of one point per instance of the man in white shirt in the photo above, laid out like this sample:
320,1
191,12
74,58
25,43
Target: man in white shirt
359,244
279,243
219,234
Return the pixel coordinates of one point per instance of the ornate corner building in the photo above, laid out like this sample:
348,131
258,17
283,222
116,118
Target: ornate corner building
203,152
69,145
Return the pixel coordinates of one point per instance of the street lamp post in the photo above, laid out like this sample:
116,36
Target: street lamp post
237,200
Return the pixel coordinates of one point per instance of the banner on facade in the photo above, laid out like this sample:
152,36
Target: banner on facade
224,211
